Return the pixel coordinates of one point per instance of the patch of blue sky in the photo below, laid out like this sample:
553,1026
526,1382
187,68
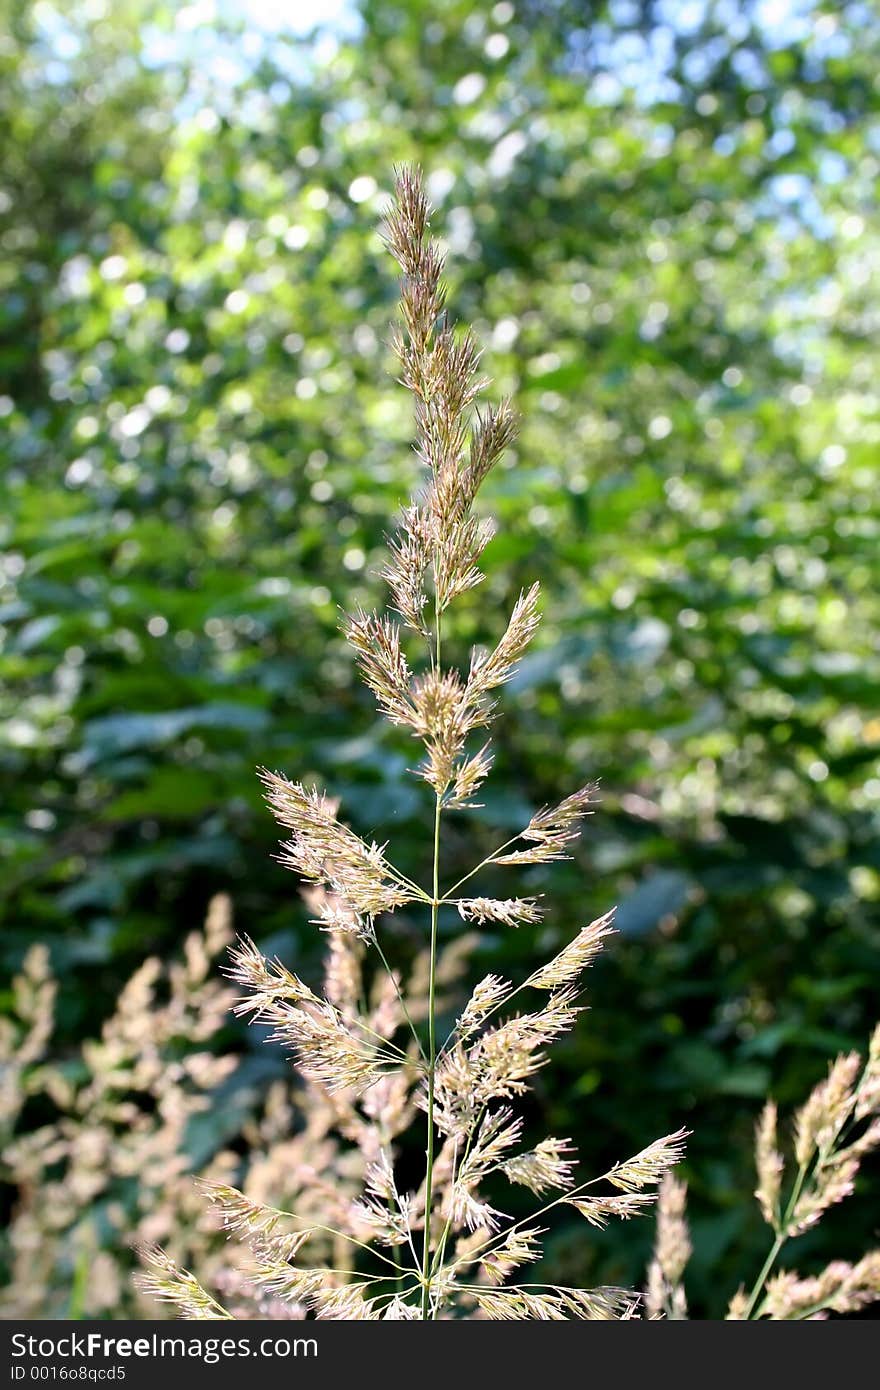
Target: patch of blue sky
779,21
340,17
226,38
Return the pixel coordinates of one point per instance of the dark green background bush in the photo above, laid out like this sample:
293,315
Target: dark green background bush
664,237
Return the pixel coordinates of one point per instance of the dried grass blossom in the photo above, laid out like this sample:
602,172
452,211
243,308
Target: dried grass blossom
445,1248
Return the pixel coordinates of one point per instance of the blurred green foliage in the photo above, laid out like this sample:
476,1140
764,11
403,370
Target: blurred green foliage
662,221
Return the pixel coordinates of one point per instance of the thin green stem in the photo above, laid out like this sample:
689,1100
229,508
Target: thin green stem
432,1022
765,1270
432,1068
752,1307
781,1238
332,1231
482,864
387,1059
345,1020
810,1312
416,1264
502,1003
479,1252
457,1170
378,1036
400,1293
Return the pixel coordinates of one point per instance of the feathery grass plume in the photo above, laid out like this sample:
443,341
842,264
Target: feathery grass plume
430,1250
23,1043
273,1272
165,1280
648,1167
868,1094
738,1307
840,1288
491,669
770,1166
565,968
634,1179
488,995
271,987
510,912
470,774
383,665
333,915
665,1295
326,852
551,831
543,1168
599,1211
329,1051
241,1213
114,1132
828,1151
495,1134
518,1248
828,1107
833,1130
552,1304
115,1139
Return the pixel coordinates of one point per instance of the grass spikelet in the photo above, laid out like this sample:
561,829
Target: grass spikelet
647,1168
665,1295
164,1280
580,953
